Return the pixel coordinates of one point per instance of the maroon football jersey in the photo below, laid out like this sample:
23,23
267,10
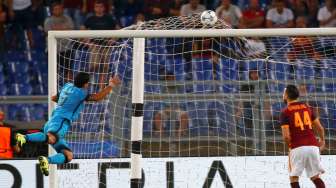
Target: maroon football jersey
299,118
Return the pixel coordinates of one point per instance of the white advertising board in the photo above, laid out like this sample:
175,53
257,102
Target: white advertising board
216,172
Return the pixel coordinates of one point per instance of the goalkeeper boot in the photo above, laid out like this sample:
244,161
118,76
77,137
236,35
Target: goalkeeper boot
44,165
20,140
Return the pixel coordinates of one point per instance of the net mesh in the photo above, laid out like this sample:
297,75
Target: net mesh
218,96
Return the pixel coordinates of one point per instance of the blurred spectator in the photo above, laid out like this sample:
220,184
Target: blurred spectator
313,7
39,13
100,20
203,48
300,8
191,8
327,14
155,9
74,9
21,16
255,47
89,6
3,19
244,112
170,85
253,16
175,8
58,21
302,46
129,8
279,16
140,18
7,141
173,118
230,13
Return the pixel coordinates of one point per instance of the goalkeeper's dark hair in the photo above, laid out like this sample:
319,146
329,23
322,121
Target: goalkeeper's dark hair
81,79
292,92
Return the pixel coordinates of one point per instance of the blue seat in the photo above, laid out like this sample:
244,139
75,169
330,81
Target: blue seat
228,64
39,56
14,56
331,110
330,73
20,89
124,70
126,20
175,65
152,88
39,38
40,112
203,70
17,67
152,71
94,149
306,72
276,109
202,64
155,43
281,71
2,78
201,119
19,113
229,74
191,110
219,116
148,117
328,63
256,65
156,59
39,89
3,90
11,113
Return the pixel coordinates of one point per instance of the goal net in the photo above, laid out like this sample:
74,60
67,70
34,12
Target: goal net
209,102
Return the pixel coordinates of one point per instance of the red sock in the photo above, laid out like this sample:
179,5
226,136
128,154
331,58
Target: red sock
295,185
318,183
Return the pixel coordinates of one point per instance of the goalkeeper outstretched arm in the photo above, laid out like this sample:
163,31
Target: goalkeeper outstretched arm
114,81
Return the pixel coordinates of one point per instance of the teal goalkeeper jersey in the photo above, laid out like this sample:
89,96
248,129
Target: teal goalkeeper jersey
70,102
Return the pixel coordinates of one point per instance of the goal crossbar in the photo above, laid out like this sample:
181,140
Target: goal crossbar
195,33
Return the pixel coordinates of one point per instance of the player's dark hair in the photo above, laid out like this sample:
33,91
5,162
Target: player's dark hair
81,79
279,1
292,92
55,3
99,2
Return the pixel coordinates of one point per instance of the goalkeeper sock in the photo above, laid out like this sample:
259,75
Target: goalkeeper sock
318,183
36,137
59,158
295,185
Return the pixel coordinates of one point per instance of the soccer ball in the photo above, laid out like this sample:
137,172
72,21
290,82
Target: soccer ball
208,17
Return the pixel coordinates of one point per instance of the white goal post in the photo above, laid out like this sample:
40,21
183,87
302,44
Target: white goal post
138,70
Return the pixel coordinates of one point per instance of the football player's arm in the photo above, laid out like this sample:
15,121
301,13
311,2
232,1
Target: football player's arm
284,121
318,128
114,81
286,134
55,97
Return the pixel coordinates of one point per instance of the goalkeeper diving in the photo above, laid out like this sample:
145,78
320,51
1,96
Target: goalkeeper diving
70,102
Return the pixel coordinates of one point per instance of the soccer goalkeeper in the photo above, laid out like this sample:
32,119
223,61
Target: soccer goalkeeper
70,102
